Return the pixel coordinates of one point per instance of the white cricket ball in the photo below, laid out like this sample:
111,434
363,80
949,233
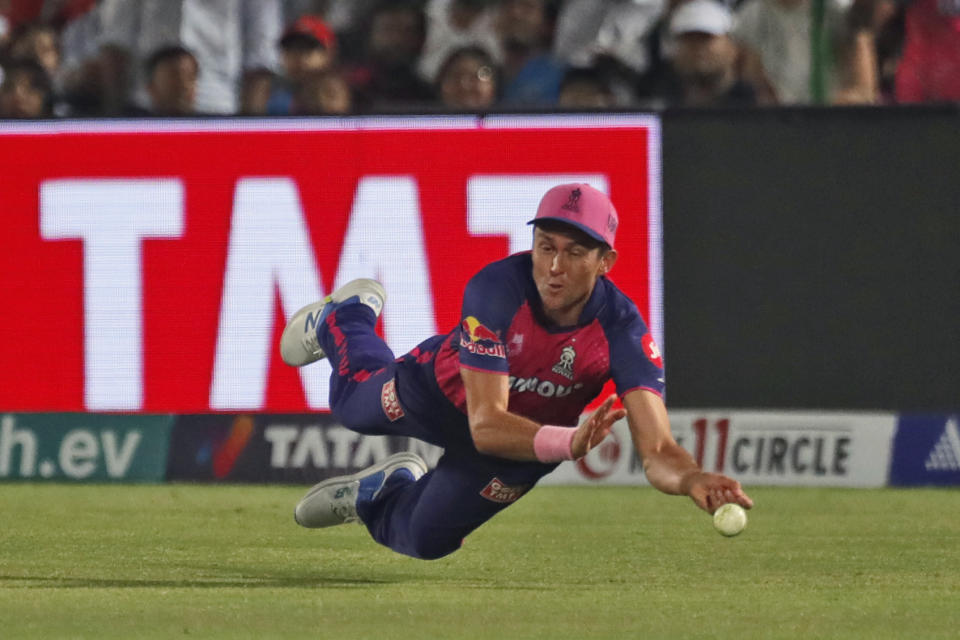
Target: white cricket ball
730,519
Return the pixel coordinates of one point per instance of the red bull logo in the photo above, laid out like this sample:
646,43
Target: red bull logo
477,339
474,329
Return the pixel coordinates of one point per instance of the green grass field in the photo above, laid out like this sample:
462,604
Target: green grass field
215,561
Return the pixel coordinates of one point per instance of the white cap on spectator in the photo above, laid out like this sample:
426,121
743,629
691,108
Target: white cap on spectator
701,16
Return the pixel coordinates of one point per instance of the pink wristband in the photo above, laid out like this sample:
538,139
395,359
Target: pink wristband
554,444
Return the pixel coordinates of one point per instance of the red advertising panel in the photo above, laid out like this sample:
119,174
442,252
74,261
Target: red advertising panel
150,266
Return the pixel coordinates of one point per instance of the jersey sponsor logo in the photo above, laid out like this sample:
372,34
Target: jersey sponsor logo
390,402
565,366
479,340
652,351
497,350
497,491
545,388
475,331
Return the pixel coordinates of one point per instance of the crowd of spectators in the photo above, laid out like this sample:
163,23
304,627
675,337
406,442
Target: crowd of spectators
136,58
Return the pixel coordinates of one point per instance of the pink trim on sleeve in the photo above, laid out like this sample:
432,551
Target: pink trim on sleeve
499,373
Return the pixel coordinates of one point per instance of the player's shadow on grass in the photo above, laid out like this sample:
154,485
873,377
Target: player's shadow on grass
243,582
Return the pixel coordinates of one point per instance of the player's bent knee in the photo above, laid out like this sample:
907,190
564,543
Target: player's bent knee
434,549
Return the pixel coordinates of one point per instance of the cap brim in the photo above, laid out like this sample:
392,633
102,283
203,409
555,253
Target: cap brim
582,227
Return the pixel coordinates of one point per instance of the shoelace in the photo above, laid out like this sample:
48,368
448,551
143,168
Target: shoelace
311,342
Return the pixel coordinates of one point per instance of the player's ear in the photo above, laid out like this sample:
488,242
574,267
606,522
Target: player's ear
607,260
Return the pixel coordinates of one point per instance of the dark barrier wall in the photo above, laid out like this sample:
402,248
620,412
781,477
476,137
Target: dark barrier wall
812,259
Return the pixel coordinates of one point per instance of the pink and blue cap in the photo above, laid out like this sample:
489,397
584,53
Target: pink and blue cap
582,206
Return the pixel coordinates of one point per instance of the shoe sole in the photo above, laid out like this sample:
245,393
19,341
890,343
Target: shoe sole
347,291
398,459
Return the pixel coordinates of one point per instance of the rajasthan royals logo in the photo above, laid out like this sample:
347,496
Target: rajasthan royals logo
573,204
565,366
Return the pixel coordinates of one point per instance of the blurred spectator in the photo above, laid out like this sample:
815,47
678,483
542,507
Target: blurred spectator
704,70
585,89
807,50
454,24
386,77
321,93
531,76
38,42
171,83
588,31
26,91
307,46
81,79
929,70
468,80
234,41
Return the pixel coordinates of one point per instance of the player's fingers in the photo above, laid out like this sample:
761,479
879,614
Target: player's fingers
733,492
602,410
619,414
710,502
599,435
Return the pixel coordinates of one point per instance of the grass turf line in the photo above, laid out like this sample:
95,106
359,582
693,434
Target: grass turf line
104,561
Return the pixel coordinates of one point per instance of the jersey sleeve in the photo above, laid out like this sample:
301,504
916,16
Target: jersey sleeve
489,305
635,358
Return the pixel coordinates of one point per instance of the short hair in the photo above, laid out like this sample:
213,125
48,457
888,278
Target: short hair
169,52
587,75
577,235
35,73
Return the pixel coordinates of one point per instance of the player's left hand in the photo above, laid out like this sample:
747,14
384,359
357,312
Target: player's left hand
710,491
594,429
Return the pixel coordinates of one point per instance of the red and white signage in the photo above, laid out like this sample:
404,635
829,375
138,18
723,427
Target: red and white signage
784,448
149,267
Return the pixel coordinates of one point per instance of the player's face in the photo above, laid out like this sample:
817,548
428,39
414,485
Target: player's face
565,273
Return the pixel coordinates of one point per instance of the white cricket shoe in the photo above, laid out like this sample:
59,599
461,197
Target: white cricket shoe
299,345
334,501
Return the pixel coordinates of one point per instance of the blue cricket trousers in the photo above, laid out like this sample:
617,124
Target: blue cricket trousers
428,518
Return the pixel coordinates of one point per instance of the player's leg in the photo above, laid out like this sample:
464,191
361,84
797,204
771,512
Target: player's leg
342,328
430,517
417,513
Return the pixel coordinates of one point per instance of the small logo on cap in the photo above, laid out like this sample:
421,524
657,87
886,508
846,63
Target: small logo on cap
611,224
573,204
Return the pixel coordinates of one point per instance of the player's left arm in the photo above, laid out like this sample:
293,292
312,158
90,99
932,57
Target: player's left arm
668,466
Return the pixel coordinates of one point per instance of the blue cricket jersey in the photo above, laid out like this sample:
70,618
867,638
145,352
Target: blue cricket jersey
555,372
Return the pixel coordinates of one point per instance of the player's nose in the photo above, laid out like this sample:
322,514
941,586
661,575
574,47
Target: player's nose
556,265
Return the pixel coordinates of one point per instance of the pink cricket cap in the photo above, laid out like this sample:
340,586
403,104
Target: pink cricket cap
582,206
